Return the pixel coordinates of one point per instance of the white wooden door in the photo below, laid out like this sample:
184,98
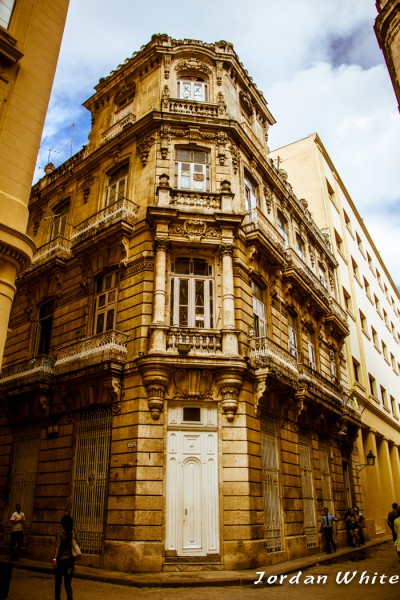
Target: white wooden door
192,524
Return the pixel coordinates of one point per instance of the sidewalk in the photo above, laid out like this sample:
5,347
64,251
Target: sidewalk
204,578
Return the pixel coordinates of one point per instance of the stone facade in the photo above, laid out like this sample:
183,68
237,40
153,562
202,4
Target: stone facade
175,371
30,39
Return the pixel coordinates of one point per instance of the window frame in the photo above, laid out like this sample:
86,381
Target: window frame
259,311
6,13
59,220
117,178
192,82
109,291
194,319
205,168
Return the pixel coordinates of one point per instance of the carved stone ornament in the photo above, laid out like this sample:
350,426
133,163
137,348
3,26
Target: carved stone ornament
194,384
230,383
36,219
167,65
235,154
192,64
246,102
195,229
143,148
86,186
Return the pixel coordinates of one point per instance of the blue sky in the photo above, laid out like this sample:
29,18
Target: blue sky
317,62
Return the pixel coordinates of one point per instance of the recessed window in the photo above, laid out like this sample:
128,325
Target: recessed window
311,355
59,218
321,273
249,195
374,338
347,222
300,246
384,396
367,288
332,358
339,242
292,330
363,322
106,302
191,413
331,192
385,352
259,311
45,324
356,370
117,185
359,243
370,263
191,170
283,228
192,293
193,88
372,385
347,300
355,269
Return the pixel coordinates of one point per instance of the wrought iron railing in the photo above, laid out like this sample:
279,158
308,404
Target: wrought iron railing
110,345
193,340
40,368
60,247
121,210
264,350
254,219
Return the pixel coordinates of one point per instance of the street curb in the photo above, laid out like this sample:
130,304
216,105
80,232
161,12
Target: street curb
204,578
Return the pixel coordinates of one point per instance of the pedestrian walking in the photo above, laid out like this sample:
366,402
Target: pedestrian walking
392,515
63,561
327,521
361,524
17,521
353,529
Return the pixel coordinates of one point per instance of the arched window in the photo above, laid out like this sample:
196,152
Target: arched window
192,171
192,88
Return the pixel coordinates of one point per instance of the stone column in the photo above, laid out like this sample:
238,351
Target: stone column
370,477
385,470
395,463
229,333
158,326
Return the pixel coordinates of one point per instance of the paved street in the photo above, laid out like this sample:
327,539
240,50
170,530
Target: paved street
321,581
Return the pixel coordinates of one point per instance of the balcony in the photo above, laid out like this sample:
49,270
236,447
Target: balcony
256,222
122,210
118,127
193,108
36,370
306,279
338,317
193,200
250,133
266,353
108,346
194,341
59,248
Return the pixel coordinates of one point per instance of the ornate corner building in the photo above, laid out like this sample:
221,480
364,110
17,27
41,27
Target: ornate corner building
387,30
30,39
175,373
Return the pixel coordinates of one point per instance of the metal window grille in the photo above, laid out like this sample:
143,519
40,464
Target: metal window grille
23,477
90,478
308,492
326,484
271,484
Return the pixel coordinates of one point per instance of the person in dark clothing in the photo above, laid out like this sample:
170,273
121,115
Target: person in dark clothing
327,520
361,524
391,518
63,561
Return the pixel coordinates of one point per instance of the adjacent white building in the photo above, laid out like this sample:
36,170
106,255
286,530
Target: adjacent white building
373,305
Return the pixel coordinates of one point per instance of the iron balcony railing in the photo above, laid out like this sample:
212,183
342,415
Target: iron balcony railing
60,247
255,220
40,368
262,349
110,345
121,210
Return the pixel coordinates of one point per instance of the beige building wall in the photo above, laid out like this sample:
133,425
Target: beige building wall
373,306
30,39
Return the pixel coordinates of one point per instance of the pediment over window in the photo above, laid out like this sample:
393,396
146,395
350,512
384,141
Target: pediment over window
192,64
